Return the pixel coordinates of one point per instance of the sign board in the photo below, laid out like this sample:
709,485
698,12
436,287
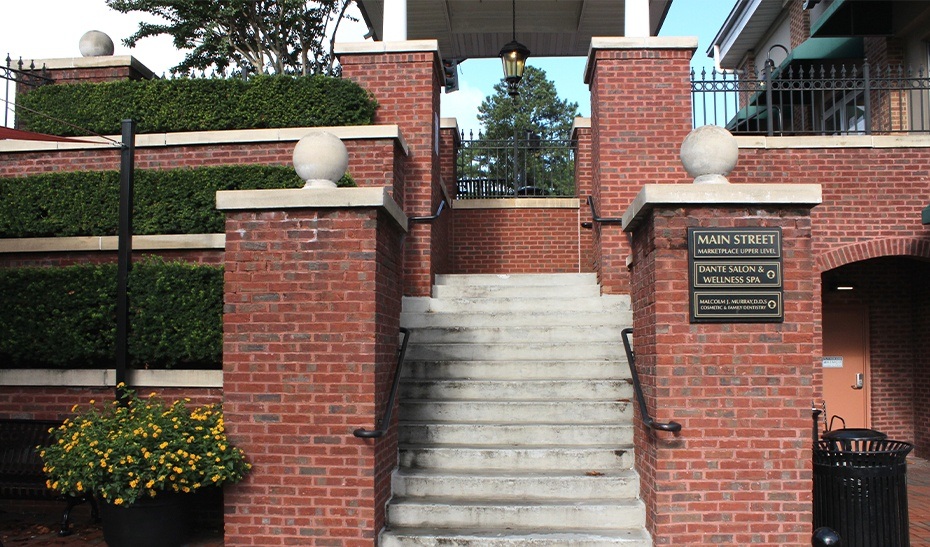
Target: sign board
736,275
833,362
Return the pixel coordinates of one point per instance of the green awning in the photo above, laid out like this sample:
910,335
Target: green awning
823,49
925,217
854,18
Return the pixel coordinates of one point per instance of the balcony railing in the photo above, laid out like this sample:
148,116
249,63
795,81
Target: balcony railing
854,100
523,167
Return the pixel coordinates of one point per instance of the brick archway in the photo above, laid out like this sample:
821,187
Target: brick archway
910,247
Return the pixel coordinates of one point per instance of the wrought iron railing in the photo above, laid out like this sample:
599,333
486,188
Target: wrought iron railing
22,76
523,167
808,100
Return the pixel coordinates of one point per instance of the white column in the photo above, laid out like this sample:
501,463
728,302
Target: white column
635,19
395,21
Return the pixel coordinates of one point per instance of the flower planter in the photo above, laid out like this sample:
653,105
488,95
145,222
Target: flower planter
149,522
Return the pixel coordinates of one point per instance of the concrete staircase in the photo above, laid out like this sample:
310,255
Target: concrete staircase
515,417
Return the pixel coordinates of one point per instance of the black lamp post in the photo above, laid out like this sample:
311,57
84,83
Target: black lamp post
514,55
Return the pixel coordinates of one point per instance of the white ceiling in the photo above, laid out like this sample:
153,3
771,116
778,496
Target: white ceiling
479,28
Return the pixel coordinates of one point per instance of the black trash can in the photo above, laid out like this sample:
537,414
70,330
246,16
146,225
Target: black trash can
860,489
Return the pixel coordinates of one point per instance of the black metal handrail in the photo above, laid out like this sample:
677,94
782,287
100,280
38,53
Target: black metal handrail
674,427
430,218
599,219
385,422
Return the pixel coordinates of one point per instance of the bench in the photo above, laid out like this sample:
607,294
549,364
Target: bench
21,475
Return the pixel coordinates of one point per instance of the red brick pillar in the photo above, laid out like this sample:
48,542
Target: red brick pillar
640,114
581,135
312,306
739,472
405,78
73,70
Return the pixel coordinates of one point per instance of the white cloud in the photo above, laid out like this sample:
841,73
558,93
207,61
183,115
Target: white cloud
463,105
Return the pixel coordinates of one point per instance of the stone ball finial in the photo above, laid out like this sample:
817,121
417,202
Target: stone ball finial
709,153
96,44
320,159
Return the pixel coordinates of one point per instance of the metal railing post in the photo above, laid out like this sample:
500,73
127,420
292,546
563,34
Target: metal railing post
770,118
868,97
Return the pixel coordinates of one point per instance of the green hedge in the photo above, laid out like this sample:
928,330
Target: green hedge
195,105
65,317
82,203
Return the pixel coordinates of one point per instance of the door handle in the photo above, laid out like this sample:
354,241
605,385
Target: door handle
859,382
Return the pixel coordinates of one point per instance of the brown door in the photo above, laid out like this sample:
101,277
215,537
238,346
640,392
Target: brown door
846,364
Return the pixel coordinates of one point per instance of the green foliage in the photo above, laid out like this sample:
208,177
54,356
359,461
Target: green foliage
249,36
66,317
183,104
83,203
537,110
122,453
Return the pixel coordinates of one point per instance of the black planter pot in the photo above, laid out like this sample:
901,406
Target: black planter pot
150,522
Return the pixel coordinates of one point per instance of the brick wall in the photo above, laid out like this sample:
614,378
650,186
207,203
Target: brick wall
55,403
517,241
412,102
922,369
799,22
310,335
739,471
640,114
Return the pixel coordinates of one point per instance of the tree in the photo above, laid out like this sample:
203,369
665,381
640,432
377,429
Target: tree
537,110
524,148
244,36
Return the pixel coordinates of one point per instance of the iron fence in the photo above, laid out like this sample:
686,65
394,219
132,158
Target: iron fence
19,77
526,166
809,100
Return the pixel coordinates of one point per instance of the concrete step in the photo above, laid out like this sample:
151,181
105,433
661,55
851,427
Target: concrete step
507,486
540,319
531,351
550,516
516,304
517,390
516,291
529,434
516,459
517,279
407,537
516,370
517,334
514,412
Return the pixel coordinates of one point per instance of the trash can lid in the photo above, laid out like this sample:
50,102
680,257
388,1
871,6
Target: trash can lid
854,434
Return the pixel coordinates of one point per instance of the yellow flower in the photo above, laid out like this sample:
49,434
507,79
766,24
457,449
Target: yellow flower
118,501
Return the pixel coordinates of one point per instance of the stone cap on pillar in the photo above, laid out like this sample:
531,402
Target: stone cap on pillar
110,61
653,196
319,198
368,48
643,42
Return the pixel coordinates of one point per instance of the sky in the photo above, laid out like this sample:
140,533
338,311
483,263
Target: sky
43,29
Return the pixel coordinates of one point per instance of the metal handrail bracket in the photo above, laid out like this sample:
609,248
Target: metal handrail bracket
385,422
650,422
598,219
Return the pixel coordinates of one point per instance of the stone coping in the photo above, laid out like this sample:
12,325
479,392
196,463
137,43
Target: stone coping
644,42
107,61
312,198
834,141
403,46
517,203
109,243
655,195
107,378
232,136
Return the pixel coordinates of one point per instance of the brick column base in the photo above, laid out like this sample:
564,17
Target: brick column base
739,472
312,305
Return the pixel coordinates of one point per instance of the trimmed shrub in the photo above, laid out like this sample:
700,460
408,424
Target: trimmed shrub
66,317
85,203
183,104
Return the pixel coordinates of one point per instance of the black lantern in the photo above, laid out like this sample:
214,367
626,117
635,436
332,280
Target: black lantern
514,55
